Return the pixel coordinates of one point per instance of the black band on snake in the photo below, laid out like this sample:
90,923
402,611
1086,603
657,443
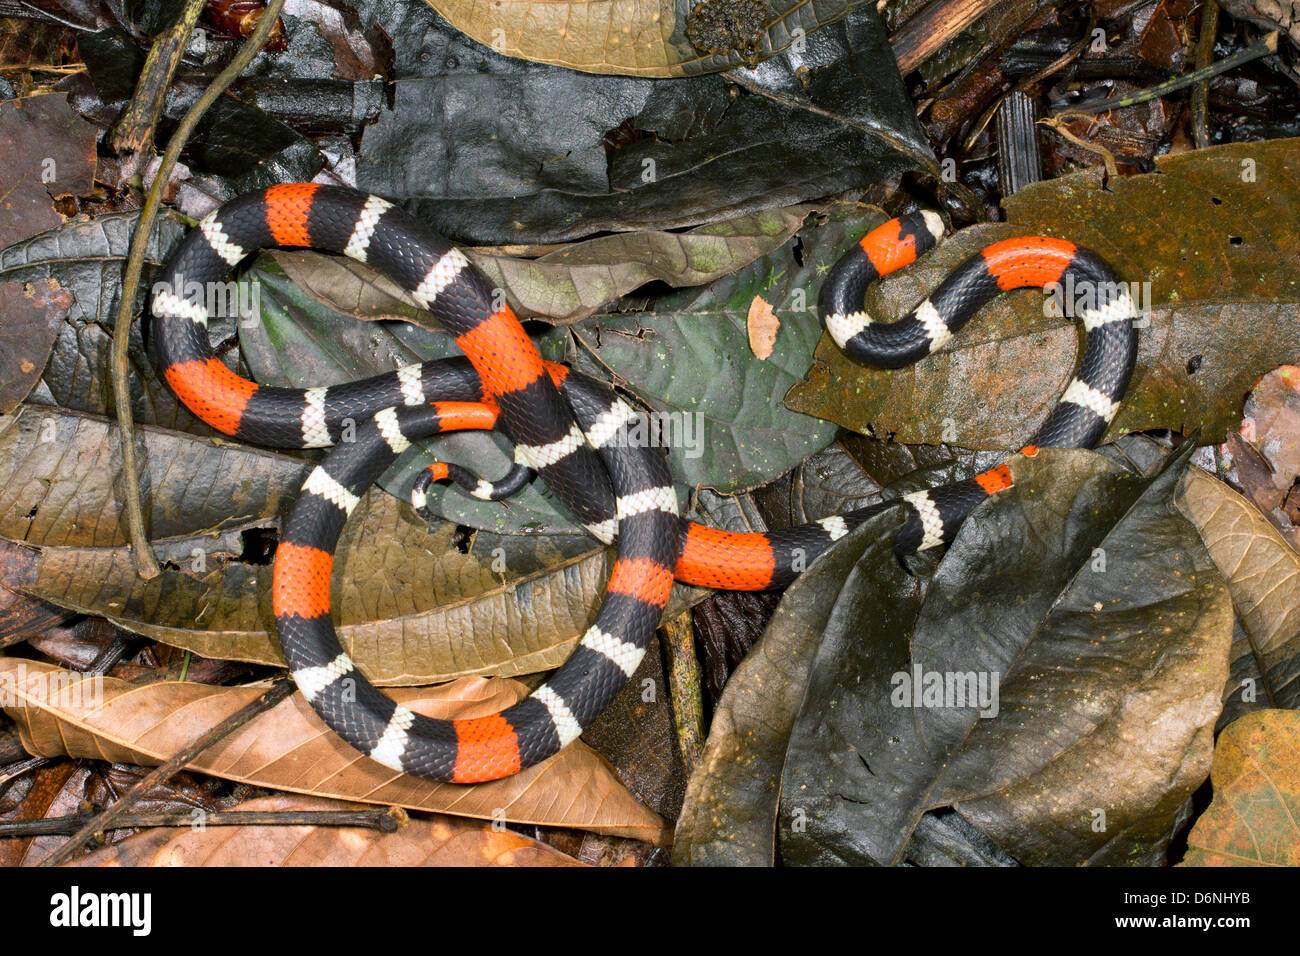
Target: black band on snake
571,431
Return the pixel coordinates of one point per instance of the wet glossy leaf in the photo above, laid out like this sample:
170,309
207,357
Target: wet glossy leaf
1108,675
492,150
729,817
690,358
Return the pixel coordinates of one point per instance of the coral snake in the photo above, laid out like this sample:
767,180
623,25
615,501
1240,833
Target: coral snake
575,433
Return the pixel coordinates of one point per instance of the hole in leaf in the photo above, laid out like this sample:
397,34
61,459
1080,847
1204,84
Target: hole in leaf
463,538
259,545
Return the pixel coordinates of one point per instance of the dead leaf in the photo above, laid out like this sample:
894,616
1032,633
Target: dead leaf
1271,422
1263,576
567,284
628,37
51,791
762,324
49,151
33,314
288,747
1216,287
410,605
21,615
1252,820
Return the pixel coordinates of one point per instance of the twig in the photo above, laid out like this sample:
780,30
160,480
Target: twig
925,31
118,650
69,69
1204,57
684,687
386,819
1069,56
1261,47
1107,157
11,772
1064,60
134,130
146,563
108,817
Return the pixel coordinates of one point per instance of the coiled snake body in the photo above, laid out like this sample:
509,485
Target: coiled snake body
574,433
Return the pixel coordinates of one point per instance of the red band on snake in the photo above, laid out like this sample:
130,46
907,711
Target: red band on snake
574,432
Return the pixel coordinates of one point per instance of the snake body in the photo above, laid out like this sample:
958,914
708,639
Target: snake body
575,433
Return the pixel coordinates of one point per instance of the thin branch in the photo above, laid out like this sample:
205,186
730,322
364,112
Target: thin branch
134,130
684,683
385,819
146,563
922,34
107,819
1261,47
12,771
1107,157
1204,58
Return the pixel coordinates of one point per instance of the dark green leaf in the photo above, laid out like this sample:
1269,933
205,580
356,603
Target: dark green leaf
729,817
1107,628
494,150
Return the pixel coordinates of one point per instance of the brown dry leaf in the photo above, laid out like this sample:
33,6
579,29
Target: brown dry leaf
626,37
1263,576
288,747
563,285
51,791
49,151
441,842
1252,820
1251,472
1271,422
761,323
411,606
34,313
